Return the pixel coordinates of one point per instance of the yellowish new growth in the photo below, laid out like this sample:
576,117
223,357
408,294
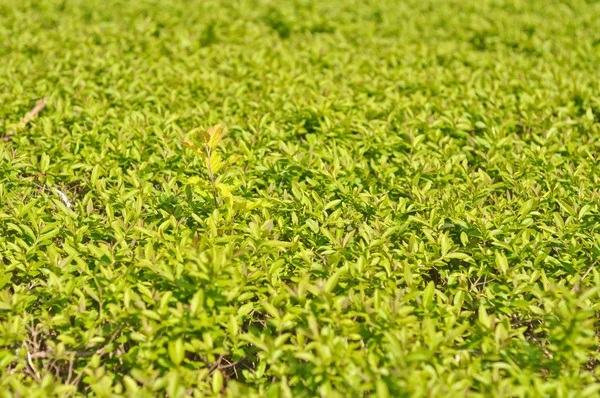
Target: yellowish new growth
211,139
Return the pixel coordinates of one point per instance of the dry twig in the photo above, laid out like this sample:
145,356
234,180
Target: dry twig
28,117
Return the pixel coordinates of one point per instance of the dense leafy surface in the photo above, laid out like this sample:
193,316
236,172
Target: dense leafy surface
408,199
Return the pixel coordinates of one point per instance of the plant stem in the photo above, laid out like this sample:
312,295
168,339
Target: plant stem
212,176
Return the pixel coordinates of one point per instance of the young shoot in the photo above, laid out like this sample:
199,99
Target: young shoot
209,139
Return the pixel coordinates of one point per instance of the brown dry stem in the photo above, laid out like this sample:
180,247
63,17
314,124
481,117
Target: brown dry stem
28,117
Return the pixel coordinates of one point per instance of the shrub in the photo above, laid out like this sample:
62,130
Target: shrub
406,202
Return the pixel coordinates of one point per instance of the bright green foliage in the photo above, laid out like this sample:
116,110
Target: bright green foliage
210,139
407,202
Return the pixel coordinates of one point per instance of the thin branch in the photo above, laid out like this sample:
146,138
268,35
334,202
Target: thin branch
589,270
31,365
216,365
33,113
100,352
28,117
576,287
71,362
211,175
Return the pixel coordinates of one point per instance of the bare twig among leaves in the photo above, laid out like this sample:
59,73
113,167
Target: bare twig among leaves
28,117
35,350
30,363
577,286
63,196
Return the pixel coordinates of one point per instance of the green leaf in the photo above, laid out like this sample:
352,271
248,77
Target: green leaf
501,262
382,389
215,134
217,382
484,318
203,135
428,295
216,162
460,256
176,351
333,279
